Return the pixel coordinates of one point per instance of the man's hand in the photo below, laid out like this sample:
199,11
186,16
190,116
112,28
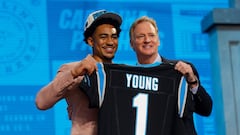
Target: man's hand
86,66
187,71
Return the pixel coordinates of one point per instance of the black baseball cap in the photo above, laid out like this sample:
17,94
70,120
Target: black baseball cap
96,17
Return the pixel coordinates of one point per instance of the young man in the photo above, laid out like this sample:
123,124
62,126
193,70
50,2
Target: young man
145,41
101,32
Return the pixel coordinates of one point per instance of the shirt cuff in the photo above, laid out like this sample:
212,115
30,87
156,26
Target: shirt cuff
194,89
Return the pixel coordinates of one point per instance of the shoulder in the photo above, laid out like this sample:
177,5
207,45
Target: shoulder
175,61
68,65
165,60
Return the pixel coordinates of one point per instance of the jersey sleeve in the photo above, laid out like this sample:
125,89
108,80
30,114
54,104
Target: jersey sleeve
89,86
94,86
182,96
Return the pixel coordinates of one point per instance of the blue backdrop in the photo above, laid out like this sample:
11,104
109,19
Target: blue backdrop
37,36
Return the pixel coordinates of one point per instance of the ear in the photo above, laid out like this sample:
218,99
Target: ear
131,43
90,41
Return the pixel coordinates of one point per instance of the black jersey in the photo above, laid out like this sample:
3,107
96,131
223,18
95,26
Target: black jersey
136,100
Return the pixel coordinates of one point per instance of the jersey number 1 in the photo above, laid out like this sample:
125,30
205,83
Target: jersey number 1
140,102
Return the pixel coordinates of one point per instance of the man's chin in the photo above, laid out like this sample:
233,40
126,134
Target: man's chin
109,57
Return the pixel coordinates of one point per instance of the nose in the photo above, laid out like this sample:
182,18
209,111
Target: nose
110,41
147,39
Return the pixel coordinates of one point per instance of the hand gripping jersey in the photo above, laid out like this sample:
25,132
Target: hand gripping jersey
136,100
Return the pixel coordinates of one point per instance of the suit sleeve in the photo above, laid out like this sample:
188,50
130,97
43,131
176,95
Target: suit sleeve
56,90
202,100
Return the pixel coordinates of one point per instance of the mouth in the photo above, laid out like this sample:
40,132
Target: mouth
147,46
109,49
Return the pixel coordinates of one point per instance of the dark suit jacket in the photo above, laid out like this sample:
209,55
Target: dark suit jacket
200,103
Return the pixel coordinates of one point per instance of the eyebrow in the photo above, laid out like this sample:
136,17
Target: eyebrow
107,34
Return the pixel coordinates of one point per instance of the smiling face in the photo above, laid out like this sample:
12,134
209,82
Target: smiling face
145,42
104,42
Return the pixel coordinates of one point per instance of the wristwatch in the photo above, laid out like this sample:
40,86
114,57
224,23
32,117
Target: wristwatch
194,82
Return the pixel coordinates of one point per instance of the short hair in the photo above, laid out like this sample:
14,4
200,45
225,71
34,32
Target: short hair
140,20
89,32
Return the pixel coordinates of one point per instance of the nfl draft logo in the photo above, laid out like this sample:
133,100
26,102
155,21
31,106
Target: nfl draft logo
19,37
